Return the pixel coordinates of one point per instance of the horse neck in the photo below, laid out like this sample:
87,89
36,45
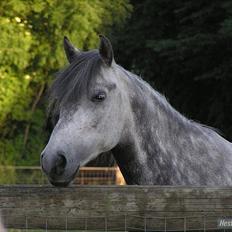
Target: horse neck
143,153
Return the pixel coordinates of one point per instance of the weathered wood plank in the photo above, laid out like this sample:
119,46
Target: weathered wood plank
108,207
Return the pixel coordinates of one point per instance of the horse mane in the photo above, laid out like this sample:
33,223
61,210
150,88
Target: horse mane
163,102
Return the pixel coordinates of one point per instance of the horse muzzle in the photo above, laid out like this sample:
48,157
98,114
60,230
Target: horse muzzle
60,173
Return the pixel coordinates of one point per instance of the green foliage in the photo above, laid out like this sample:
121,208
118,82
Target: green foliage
30,52
184,49
7,175
21,175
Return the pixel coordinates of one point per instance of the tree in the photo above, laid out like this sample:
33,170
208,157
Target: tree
31,51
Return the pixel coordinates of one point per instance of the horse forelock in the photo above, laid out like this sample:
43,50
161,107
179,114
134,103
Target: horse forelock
73,81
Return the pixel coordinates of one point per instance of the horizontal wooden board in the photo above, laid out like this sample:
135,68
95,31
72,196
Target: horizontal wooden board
114,207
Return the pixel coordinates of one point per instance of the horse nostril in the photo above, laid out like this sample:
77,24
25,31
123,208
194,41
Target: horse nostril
61,161
60,164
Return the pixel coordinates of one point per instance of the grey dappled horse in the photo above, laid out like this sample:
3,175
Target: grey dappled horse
99,106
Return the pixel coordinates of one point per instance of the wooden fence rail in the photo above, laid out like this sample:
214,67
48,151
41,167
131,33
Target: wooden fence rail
108,208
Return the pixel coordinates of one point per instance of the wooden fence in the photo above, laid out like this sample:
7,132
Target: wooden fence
107,208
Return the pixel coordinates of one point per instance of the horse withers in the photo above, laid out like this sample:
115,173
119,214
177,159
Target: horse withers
99,106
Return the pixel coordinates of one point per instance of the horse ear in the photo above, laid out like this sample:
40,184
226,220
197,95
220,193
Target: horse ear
70,51
106,50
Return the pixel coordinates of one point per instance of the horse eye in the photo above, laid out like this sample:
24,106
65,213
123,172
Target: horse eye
99,97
